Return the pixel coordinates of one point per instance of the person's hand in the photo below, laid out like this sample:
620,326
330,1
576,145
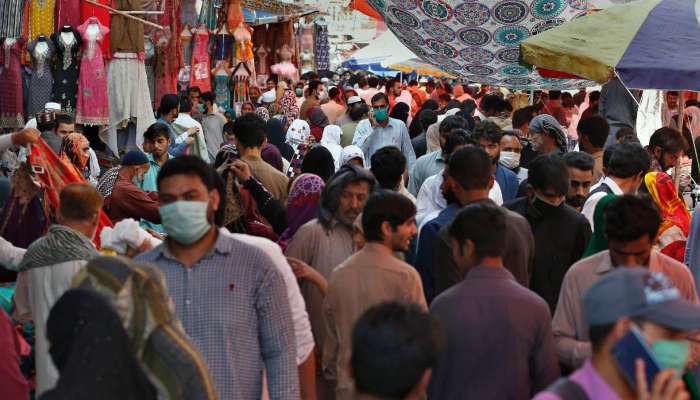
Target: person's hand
665,386
189,140
25,136
193,131
302,270
372,120
242,170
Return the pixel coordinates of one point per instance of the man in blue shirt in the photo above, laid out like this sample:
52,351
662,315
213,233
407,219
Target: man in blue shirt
489,136
156,142
168,111
387,131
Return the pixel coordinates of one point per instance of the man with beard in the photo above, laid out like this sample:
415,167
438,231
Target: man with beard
580,166
666,146
371,276
229,295
551,221
325,242
489,135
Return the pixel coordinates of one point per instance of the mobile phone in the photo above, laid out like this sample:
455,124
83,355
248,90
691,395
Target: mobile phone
628,350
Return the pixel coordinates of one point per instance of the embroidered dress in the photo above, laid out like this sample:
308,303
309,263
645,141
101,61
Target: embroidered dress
93,103
222,91
88,10
42,50
41,14
11,92
201,70
65,85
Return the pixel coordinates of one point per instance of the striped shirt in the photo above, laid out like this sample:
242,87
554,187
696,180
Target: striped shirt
233,304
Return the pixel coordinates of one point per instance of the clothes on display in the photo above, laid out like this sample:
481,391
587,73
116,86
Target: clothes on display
67,13
322,47
209,12
127,87
66,70
41,50
41,13
11,91
11,18
165,79
201,70
126,34
150,61
221,88
224,44
93,99
88,10
261,49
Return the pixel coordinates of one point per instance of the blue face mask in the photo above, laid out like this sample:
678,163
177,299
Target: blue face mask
201,108
299,92
382,114
185,221
672,354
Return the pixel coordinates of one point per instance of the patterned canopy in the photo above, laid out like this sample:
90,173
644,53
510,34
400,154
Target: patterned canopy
478,40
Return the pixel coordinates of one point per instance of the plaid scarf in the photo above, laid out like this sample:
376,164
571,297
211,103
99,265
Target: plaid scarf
61,244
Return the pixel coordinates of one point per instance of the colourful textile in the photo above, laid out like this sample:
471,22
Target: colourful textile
93,102
301,204
87,11
41,14
67,13
11,93
165,70
599,241
675,223
201,70
72,151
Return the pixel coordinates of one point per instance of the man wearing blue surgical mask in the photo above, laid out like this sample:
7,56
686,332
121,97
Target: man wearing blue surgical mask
229,295
633,299
387,131
551,221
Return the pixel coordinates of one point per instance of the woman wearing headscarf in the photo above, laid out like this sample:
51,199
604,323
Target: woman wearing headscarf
599,241
331,141
263,113
318,161
288,106
415,127
75,151
140,297
317,121
675,218
302,204
271,154
353,155
547,135
276,136
92,352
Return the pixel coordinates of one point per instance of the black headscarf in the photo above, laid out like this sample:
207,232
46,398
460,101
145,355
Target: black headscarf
92,352
277,136
318,161
400,112
416,129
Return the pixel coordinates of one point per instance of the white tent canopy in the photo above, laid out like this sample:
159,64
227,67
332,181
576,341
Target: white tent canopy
386,49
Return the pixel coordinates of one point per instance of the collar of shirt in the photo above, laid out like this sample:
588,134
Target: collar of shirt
592,383
222,246
482,272
606,263
153,160
613,186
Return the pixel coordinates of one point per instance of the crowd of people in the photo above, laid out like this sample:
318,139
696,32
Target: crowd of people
359,239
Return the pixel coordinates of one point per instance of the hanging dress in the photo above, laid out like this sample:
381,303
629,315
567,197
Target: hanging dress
185,73
208,13
88,10
201,70
66,71
150,61
67,13
222,91
224,44
11,92
166,82
41,13
93,103
322,49
41,51
11,18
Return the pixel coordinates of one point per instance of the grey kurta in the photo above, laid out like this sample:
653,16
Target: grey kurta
41,83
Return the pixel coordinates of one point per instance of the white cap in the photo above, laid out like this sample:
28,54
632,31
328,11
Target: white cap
325,80
354,99
52,106
268,97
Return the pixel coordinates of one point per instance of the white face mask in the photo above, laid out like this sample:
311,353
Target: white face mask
510,159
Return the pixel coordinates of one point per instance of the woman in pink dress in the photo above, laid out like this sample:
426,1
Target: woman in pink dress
93,103
201,70
11,112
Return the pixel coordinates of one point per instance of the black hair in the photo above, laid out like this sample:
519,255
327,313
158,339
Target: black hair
185,104
229,129
470,222
393,345
314,84
548,171
579,98
168,103
594,96
668,140
358,111
487,130
250,130
61,118
554,94
579,160
195,166
456,138
373,81
597,335
445,97
522,116
385,205
450,123
388,166
470,167
318,161
631,217
625,132
380,96
413,82
334,92
156,130
194,89
490,102
427,118
208,96
627,160
596,129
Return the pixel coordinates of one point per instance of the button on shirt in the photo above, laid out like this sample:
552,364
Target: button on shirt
233,304
394,134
